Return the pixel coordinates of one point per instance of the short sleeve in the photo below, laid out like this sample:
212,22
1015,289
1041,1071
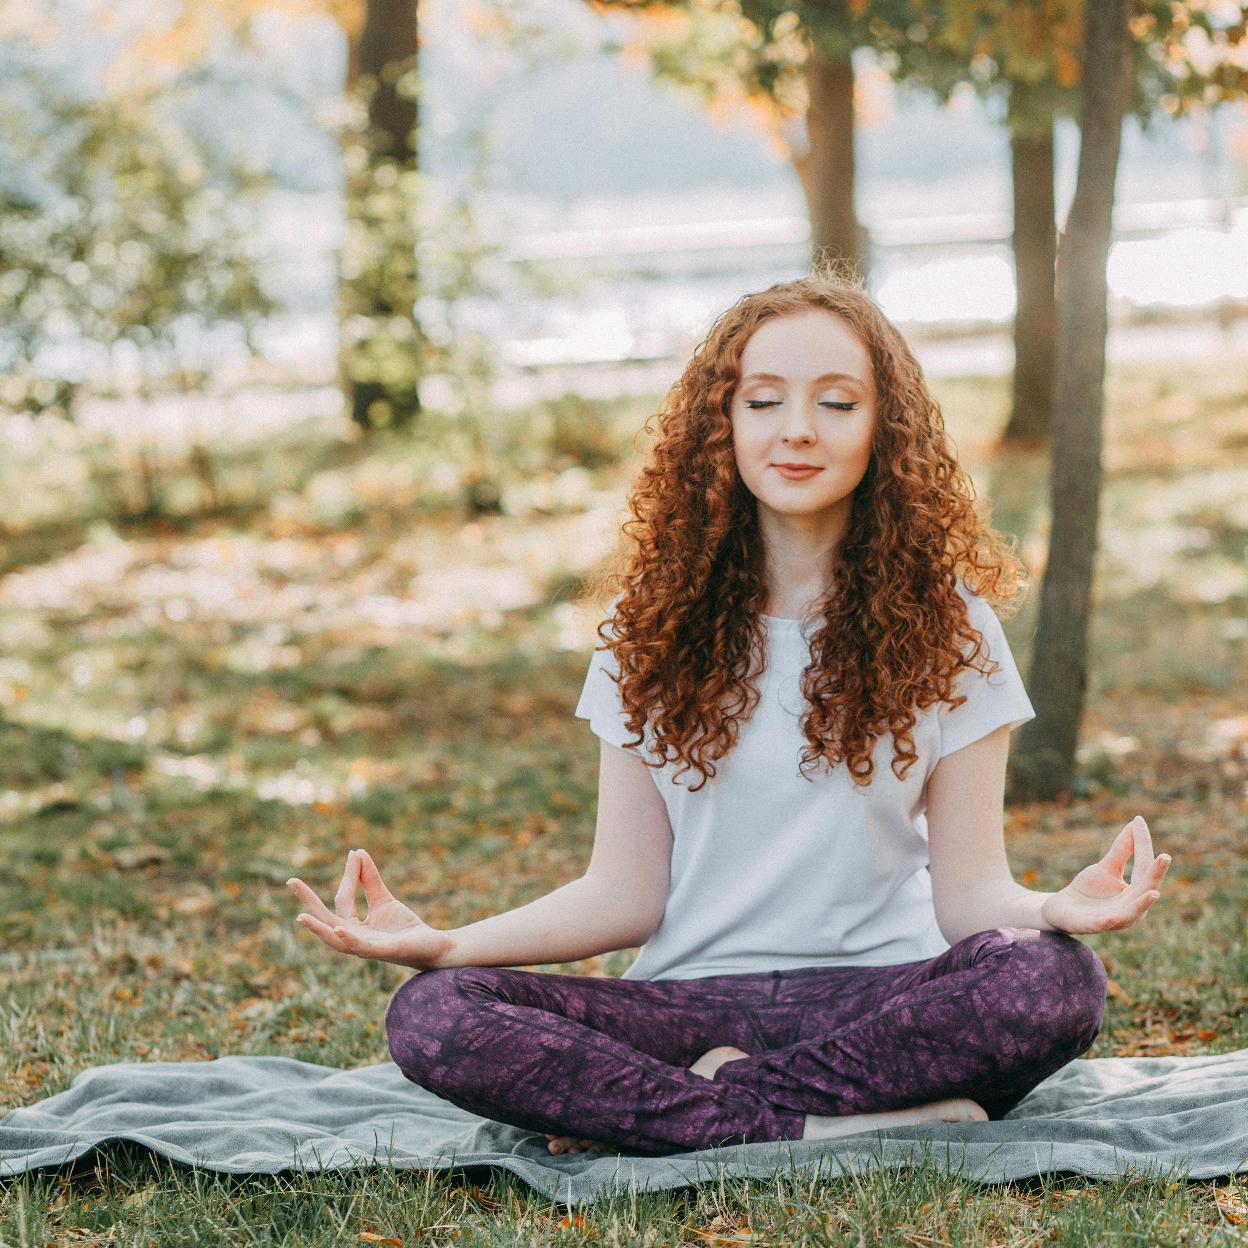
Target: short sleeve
600,700
991,700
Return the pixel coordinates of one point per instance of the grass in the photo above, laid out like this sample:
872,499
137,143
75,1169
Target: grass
198,703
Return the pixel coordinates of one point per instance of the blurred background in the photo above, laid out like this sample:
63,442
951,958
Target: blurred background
330,328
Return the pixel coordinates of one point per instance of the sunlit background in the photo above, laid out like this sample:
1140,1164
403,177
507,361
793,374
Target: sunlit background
306,457
648,216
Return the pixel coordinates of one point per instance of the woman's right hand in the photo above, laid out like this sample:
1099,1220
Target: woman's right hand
389,933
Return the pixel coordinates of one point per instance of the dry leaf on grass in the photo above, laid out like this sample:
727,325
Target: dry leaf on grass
1231,1204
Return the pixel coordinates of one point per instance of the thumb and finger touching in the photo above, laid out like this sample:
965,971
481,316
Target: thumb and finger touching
342,928
1102,888
1136,839
370,878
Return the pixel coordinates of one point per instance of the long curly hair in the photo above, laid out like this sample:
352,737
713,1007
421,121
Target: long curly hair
687,581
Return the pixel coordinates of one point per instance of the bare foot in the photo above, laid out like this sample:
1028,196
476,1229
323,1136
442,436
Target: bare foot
706,1066
955,1109
574,1144
713,1059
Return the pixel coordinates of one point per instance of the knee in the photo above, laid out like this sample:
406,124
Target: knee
425,1013
1062,986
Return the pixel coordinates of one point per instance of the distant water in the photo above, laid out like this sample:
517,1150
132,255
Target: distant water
631,316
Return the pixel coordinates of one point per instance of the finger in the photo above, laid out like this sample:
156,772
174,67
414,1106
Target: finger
1119,853
365,942
1143,841
309,898
1138,908
1161,864
325,931
344,898
370,877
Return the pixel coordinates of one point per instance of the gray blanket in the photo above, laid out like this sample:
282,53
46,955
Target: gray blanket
1101,1117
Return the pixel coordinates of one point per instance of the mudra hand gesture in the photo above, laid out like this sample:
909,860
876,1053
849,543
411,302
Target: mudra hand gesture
1099,898
390,932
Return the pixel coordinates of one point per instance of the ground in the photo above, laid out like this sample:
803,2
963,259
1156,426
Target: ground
203,692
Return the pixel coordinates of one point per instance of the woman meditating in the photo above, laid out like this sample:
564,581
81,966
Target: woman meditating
804,702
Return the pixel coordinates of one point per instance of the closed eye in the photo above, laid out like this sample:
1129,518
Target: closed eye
755,405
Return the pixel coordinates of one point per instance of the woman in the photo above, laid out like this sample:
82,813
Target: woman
830,943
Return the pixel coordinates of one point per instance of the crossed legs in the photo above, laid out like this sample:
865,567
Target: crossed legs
608,1059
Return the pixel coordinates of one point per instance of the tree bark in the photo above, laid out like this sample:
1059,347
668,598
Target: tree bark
827,169
1044,766
1034,243
378,287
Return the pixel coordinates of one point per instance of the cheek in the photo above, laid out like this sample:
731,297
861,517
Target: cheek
748,446
846,443
853,449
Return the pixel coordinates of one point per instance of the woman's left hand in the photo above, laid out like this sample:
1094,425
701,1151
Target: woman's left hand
1099,898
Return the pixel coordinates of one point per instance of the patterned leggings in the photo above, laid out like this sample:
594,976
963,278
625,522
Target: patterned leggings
607,1059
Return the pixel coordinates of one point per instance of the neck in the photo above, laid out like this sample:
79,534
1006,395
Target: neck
799,554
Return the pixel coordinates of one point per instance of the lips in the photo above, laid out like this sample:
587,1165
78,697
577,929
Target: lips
796,472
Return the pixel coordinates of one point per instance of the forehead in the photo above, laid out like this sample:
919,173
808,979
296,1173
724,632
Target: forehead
805,345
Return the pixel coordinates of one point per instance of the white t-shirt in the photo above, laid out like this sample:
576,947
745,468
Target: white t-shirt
771,870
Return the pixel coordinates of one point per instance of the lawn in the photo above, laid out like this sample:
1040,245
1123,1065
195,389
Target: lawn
226,665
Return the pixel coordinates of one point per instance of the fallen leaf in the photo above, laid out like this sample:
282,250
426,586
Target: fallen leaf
1232,1205
128,857
1115,989
195,903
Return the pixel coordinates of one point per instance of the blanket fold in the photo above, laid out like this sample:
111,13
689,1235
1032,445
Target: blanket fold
1100,1117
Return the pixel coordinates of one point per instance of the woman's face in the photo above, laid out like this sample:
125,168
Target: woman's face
806,396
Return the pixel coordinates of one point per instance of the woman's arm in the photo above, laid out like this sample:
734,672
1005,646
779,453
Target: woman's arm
616,904
972,886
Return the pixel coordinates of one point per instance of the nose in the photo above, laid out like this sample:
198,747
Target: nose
797,426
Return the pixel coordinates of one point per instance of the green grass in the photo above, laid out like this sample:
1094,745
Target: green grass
153,1203
193,708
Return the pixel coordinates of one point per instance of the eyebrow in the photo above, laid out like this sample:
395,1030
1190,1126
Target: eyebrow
822,377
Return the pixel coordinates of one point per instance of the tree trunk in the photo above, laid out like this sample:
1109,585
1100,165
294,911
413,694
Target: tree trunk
826,169
381,356
1035,254
1044,766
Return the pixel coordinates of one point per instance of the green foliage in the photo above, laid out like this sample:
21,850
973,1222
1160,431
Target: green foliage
120,236
31,756
1185,55
582,432
381,341
413,261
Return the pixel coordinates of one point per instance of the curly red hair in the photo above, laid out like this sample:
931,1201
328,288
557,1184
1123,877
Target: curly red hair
687,580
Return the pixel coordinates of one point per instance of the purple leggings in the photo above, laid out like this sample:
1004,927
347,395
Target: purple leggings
607,1059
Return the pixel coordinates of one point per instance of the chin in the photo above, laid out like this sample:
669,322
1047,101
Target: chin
808,507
